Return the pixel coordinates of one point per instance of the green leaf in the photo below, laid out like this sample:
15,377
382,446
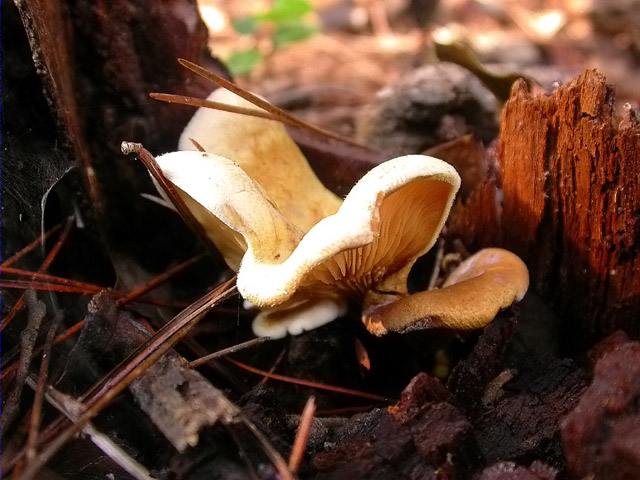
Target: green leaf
245,25
292,32
242,62
286,11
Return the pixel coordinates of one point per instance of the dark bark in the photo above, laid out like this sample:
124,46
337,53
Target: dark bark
602,433
98,62
420,437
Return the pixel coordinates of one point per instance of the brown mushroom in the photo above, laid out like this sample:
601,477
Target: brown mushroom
471,297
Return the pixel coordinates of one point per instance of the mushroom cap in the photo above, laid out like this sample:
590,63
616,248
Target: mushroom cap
233,209
473,294
264,150
297,246
392,215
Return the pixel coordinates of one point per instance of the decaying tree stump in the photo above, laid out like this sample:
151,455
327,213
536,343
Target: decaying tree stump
570,180
571,183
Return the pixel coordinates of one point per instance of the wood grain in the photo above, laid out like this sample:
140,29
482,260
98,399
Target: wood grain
571,184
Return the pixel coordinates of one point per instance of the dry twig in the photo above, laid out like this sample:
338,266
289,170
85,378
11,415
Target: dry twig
51,256
71,408
227,351
309,383
28,248
302,437
138,363
282,115
28,337
36,412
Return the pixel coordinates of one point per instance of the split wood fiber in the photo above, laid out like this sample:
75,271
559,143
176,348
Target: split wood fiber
571,182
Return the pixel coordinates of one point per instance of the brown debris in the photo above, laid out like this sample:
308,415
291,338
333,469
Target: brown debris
470,159
601,435
476,220
108,335
609,344
416,438
471,376
515,390
422,389
28,337
434,104
511,471
178,399
302,436
475,217
524,421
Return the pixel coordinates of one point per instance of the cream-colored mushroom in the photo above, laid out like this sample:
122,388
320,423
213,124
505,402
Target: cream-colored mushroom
301,252
392,216
264,150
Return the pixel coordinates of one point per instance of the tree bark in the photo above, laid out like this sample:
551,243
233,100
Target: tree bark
98,62
571,208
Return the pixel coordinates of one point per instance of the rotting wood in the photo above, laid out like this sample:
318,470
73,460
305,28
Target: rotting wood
50,42
569,178
571,209
476,220
475,217
98,61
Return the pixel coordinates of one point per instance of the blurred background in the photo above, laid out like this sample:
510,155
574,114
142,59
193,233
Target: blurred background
326,59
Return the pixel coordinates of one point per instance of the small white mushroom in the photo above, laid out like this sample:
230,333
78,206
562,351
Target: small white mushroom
300,317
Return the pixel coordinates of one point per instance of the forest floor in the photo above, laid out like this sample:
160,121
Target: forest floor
546,391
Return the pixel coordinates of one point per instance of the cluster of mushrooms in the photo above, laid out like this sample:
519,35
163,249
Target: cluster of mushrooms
301,252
